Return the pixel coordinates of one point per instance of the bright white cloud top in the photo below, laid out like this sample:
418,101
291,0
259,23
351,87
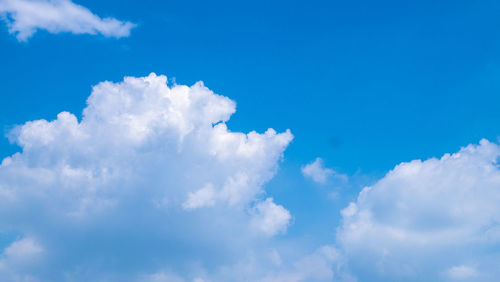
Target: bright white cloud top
25,17
429,220
148,166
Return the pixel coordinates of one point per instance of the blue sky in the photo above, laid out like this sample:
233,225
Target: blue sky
362,85
413,80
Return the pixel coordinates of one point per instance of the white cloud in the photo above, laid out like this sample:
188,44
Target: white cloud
324,264
23,249
317,171
270,218
18,260
424,216
461,272
205,197
25,17
127,177
162,276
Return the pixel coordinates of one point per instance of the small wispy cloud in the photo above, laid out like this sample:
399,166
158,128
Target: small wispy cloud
317,171
25,17
461,272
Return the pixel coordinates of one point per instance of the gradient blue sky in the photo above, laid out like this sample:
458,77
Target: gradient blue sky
364,85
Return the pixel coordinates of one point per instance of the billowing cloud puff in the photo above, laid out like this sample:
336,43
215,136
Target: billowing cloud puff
428,220
150,174
25,17
270,218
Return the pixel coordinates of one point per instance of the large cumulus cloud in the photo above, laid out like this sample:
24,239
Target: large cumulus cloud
437,219
149,179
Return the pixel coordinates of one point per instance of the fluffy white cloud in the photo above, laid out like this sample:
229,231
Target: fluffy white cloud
18,260
425,217
317,171
25,17
270,218
127,178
